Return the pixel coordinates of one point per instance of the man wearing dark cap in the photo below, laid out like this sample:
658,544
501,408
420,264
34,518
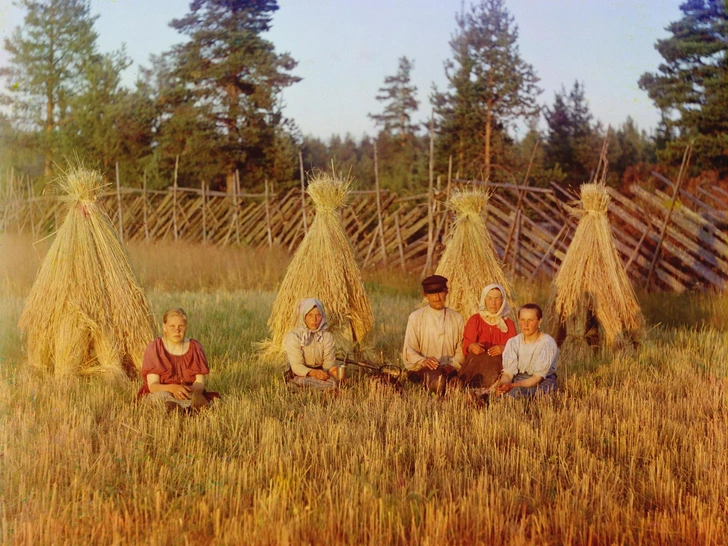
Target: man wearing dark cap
434,337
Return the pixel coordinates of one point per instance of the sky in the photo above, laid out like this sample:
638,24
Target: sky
345,49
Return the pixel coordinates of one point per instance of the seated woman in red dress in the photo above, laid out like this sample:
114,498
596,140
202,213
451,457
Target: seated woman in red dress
175,366
485,337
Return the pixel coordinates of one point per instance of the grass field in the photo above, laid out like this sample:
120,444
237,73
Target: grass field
632,451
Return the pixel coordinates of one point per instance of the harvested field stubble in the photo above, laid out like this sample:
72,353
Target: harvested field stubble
632,451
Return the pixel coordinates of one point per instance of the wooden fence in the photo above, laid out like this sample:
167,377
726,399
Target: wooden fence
531,228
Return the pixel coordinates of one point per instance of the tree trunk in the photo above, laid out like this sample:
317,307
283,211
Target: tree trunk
49,104
488,124
230,180
488,129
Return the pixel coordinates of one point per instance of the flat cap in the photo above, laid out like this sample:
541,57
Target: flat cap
434,284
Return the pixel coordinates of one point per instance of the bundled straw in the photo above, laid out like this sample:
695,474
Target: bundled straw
591,284
469,261
86,312
323,267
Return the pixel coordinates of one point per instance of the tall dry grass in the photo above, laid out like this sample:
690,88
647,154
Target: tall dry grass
631,452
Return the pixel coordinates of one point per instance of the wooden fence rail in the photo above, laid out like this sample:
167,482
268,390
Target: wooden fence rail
388,230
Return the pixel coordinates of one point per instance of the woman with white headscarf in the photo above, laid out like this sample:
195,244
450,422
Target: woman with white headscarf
485,336
310,348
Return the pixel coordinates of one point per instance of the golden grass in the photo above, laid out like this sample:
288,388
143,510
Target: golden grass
87,312
324,267
469,261
631,452
592,280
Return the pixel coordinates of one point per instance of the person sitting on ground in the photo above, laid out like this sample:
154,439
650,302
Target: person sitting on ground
529,359
433,339
310,349
485,337
174,367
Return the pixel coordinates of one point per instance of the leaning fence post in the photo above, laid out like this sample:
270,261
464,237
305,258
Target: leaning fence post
204,214
174,197
683,168
267,215
380,226
303,194
430,226
236,192
30,208
144,207
119,212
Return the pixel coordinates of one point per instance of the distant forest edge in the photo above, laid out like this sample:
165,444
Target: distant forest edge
210,110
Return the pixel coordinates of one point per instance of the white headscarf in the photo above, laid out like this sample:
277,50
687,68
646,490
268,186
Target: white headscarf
494,319
304,332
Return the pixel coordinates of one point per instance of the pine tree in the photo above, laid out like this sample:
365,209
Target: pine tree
573,139
691,86
397,144
400,102
49,55
490,84
228,81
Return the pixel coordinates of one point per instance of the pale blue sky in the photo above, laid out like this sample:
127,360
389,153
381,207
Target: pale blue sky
345,50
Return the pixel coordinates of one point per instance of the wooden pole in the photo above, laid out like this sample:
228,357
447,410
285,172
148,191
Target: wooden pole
303,194
380,226
400,243
118,204
683,168
236,217
204,215
267,215
447,195
174,198
519,204
549,251
430,223
30,208
144,206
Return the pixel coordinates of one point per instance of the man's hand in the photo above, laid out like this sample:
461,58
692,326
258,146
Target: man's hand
430,362
476,349
496,350
319,374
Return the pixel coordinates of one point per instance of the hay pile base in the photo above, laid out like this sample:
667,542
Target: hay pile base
323,267
86,312
469,261
591,290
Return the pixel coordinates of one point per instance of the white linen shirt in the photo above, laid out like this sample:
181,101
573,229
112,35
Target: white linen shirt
436,333
530,358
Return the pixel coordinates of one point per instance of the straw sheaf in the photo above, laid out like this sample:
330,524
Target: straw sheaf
86,312
469,261
591,279
323,267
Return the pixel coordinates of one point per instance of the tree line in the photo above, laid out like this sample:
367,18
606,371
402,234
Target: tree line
214,103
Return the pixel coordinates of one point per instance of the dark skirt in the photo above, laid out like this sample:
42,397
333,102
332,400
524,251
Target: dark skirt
480,371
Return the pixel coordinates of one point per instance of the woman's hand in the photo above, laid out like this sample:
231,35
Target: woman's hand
503,388
319,374
476,349
180,392
496,350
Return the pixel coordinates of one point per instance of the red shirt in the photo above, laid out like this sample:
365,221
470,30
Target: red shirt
479,331
173,369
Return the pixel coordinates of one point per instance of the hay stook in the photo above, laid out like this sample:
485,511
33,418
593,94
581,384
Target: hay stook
323,267
592,302
469,260
86,312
